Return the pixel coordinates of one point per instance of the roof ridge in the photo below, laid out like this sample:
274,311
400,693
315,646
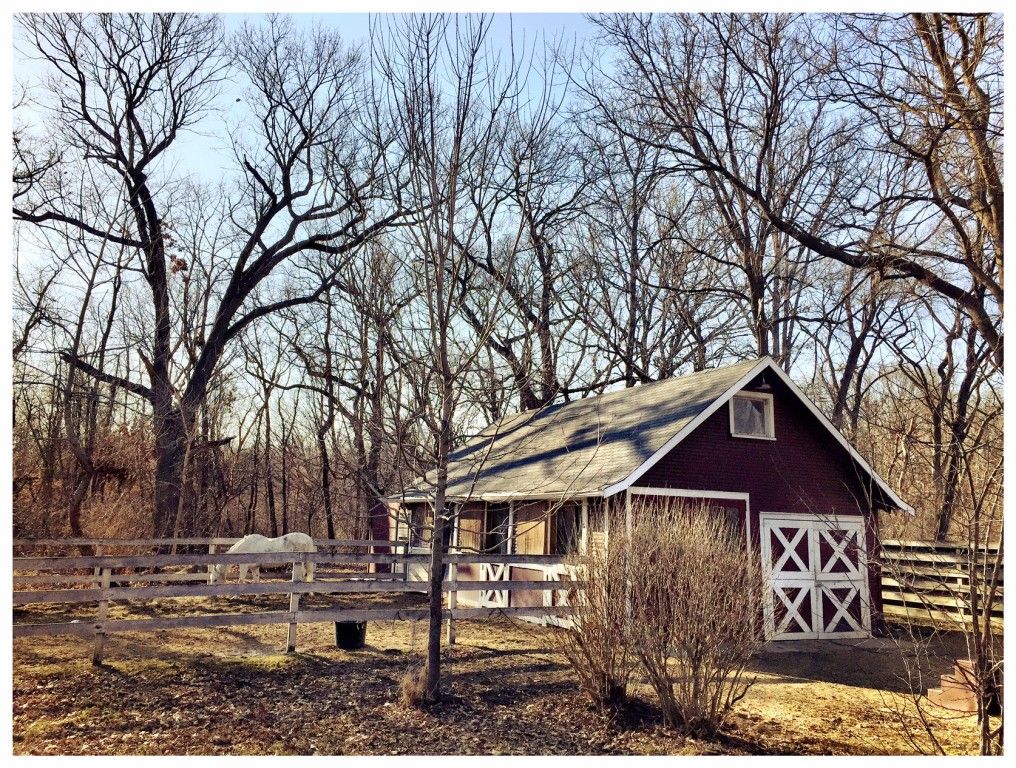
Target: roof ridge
748,363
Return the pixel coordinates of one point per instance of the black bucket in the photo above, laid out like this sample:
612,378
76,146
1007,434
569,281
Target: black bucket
350,635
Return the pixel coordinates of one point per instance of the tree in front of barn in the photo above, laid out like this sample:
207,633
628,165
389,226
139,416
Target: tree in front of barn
447,99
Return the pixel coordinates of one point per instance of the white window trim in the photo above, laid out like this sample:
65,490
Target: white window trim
770,414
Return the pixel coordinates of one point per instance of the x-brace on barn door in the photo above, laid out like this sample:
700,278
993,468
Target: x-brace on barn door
816,575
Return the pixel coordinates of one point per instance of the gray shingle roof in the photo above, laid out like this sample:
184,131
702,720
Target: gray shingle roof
582,447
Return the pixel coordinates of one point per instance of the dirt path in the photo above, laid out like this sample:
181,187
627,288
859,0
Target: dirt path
231,691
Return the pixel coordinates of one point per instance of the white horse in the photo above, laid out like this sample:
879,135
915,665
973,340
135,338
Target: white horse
255,542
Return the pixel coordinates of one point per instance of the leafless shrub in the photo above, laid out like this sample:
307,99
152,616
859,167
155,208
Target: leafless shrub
695,594
413,688
597,645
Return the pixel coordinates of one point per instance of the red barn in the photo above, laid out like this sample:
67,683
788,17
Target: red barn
742,439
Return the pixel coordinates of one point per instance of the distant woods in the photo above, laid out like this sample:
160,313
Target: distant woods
400,239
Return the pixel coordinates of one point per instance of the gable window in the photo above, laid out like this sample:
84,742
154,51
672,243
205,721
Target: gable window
751,415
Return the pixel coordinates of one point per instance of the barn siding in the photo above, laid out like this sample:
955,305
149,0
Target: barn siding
804,470
471,518
531,527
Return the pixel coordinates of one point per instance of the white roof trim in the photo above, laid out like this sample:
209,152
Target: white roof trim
411,498
763,364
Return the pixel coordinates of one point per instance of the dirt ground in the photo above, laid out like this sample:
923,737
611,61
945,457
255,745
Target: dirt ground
231,691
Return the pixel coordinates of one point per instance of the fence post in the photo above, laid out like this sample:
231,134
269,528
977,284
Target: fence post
97,571
294,605
453,602
100,622
211,550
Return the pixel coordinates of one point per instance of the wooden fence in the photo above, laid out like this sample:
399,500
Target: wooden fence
211,545
929,582
97,574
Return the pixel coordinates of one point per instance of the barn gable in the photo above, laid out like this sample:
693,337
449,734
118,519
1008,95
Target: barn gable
799,470
600,446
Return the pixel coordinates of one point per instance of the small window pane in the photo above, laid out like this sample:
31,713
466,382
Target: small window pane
750,417
496,536
568,529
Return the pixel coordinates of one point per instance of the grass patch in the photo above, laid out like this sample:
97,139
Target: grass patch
146,668
44,727
266,663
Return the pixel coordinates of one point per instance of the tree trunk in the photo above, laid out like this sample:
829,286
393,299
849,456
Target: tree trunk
326,483
170,457
273,520
434,593
438,543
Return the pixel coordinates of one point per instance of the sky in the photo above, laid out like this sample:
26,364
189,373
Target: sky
209,154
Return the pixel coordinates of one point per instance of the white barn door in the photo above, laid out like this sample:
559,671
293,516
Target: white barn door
816,575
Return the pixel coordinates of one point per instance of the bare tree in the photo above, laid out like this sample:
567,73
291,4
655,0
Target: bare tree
122,90
865,317
652,302
922,137
528,209
447,95
701,91
958,399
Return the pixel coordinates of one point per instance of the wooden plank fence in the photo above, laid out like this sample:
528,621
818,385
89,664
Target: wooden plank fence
99,583
929,582
191,541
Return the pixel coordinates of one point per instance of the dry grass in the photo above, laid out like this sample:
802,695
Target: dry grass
232,691
413,688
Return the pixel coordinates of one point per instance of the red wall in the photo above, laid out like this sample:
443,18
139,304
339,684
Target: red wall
803,470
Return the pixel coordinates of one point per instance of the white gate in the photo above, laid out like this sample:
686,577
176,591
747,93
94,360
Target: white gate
816,574
556,597
493,598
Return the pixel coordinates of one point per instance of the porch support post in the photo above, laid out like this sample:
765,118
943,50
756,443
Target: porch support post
510,544
629,585
510,549
453,573
605,511
584,536
627,512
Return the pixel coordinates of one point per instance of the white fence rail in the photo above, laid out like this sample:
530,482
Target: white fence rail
106,579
